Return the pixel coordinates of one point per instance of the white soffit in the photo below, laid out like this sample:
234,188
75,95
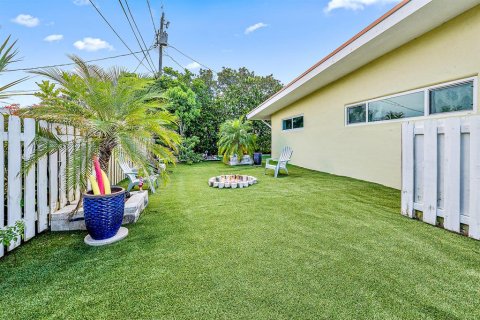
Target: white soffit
410,21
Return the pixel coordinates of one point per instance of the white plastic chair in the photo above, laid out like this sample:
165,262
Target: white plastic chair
282,161
134,178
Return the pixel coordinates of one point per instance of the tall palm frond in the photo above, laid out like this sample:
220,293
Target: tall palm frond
7,56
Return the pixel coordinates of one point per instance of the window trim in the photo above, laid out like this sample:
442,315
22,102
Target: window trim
426,106
291,118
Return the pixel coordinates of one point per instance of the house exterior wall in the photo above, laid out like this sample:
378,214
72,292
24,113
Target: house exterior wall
372,151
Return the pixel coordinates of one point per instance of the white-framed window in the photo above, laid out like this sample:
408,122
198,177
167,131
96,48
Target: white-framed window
455,96
292,123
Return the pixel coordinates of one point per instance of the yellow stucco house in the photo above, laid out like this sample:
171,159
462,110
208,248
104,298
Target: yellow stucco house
343,115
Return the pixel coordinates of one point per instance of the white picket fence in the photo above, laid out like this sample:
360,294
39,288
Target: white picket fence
441,172
34,195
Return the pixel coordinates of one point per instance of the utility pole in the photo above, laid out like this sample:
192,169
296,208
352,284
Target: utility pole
162,40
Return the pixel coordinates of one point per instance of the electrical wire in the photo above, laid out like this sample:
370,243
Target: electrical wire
138,31
135,34
138,65
72,63
175,61
116,33
189,57
151,16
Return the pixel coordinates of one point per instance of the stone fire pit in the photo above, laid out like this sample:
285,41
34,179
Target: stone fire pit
232,181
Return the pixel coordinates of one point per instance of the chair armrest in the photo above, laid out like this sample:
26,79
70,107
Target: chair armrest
270,159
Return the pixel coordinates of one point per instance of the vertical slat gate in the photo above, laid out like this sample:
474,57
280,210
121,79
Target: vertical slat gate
14,190
452,175
407,168
42,188
446,172
430,172
31,195
29,214
474,214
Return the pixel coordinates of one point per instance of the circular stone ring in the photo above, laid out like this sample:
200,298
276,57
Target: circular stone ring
231,181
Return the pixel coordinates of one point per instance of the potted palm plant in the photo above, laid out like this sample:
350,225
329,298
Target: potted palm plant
114,112
236,141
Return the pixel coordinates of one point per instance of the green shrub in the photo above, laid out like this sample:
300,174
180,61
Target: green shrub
187,152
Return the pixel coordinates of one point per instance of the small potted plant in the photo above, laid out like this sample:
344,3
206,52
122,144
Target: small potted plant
236,140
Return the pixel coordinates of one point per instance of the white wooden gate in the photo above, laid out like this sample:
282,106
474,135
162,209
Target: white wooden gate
441,173
34,195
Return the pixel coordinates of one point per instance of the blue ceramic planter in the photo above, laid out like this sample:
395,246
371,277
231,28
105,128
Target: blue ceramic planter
104,213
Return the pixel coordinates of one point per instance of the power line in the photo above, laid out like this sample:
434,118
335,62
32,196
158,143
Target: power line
151,16
175,61
135,34
116,33
138,65
72,63
138,30
187,56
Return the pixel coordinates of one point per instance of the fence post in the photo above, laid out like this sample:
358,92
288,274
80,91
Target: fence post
474,214
452,175
29,214
14,192
430,172
53,174
42,195
407,168
62,171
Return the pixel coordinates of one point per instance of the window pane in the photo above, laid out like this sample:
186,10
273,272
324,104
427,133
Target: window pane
287,124
452,98
356,114
405,106
298,122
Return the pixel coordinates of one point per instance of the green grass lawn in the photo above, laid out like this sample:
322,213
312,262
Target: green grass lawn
306,246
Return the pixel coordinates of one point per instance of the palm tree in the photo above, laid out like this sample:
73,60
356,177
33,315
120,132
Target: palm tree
236,138
7,56
114,112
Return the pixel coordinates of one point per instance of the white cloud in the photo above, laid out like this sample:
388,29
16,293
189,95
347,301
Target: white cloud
53,37
193,66
26,20
354,4
92,44
81,2
255,27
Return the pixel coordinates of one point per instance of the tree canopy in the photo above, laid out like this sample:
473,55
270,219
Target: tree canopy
204,101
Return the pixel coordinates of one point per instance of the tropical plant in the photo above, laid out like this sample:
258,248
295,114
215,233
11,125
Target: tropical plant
182,102
216,97
186,151
236,138
7,56
12,233
113,112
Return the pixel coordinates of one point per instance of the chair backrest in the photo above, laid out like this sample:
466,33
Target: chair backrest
286,154
125,167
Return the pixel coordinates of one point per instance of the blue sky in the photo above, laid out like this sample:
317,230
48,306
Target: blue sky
279,37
